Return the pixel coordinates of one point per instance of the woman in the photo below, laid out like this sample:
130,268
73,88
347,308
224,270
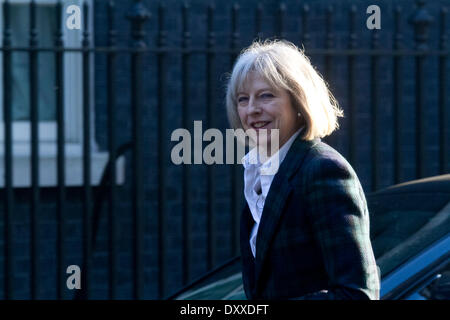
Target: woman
305,228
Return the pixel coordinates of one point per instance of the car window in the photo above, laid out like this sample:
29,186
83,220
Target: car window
404,224
439,289
221,289
225,283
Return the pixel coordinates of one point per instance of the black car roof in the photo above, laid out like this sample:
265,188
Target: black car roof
439,184
407,218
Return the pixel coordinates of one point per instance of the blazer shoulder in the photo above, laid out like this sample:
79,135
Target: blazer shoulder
323,156
323,161
321,150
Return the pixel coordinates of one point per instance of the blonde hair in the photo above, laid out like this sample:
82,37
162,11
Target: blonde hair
284,66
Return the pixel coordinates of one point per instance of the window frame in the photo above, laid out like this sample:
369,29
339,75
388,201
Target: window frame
401,279
73,102
73,82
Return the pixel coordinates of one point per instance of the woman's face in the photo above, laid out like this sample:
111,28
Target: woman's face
262,107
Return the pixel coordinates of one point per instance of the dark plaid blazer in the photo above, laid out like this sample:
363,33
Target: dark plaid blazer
313,238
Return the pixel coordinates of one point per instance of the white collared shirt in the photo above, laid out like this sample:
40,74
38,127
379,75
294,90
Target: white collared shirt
257,180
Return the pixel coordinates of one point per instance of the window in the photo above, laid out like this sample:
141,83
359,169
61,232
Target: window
73,92
439,288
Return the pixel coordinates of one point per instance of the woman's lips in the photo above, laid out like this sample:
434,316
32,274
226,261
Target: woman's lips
260,125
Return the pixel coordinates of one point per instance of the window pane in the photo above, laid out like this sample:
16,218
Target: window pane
440,288
46,26
405,223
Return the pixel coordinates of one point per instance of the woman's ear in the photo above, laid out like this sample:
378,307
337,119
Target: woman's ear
300,119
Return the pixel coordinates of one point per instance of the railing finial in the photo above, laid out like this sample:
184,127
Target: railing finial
138,15
421,20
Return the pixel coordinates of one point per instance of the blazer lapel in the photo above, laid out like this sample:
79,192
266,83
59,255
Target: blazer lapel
278,194
248,276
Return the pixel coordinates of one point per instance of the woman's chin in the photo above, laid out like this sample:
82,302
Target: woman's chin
264,145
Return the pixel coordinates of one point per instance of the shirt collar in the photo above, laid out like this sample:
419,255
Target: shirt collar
271,165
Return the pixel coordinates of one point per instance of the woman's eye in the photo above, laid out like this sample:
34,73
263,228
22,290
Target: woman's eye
266,95
242,99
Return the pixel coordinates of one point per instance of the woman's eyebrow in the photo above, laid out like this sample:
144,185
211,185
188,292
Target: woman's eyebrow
258,90
272,90
266,89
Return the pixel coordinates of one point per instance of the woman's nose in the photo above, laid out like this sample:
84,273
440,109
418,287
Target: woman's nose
253,107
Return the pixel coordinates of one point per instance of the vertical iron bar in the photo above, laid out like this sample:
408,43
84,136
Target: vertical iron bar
186,224
236,174
7,117
305,30
138,16
281,18
443,98
161,153
87,193
34,117
111,103
421,21
210,106
330,39
420,105
258,21
375,145
328,57
351,114
397,93
59,90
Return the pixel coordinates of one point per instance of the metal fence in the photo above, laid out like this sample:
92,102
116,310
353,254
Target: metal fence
138,17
